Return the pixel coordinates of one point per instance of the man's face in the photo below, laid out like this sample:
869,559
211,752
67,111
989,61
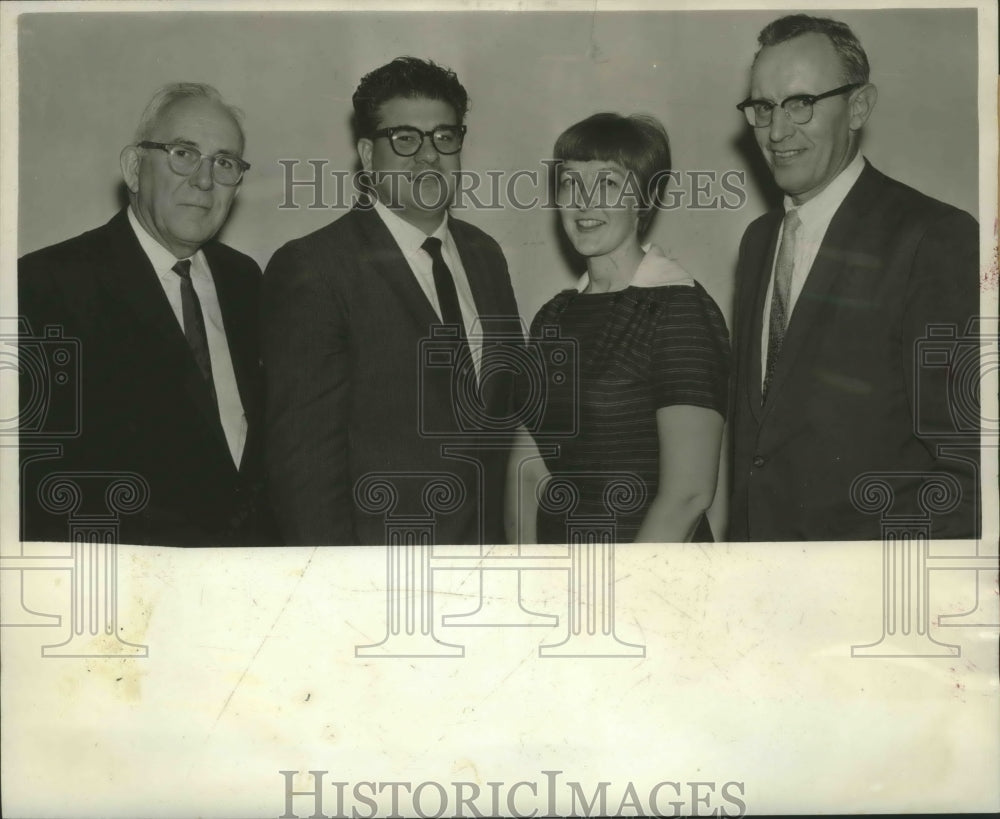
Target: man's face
804,158
422,185
184,212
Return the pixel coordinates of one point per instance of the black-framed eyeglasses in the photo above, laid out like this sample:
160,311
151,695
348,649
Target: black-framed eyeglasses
798,107
185,160
407,140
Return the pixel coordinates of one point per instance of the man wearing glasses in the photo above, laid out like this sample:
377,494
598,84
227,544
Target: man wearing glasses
373,334
170,386
835,294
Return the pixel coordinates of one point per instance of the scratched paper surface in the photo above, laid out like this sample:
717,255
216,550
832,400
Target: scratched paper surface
748,678
668,680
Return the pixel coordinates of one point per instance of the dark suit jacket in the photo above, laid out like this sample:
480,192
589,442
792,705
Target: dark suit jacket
143,406
847,396
351,391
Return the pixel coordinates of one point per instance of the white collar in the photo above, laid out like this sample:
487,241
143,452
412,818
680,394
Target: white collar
655,270
161,258
409,238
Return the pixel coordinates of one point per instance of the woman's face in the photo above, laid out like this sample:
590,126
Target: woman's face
598,205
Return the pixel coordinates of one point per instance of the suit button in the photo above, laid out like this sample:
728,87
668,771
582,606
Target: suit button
759,460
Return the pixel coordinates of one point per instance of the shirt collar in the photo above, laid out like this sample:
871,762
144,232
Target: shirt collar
655,270
409,238
161,258
821,207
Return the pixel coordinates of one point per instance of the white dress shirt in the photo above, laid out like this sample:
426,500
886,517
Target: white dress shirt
234,421
816,215
410,240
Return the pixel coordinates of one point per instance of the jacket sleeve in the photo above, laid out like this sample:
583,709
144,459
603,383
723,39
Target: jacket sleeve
307,371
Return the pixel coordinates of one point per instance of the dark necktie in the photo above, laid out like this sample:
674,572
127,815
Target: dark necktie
194,324
781,295
451,313
444,283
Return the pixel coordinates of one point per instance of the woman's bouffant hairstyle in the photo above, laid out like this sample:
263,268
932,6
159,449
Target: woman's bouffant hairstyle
638,143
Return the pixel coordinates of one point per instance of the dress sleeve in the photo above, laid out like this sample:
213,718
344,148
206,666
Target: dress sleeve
689,357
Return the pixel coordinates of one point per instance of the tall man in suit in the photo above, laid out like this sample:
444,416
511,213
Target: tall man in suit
378,402
166,320
836,293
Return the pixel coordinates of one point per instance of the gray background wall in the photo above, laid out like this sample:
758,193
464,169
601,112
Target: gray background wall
85,78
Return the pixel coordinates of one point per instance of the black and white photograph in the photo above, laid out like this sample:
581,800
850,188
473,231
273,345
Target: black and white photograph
498,409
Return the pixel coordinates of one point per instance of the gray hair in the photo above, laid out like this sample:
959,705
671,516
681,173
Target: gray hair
175,92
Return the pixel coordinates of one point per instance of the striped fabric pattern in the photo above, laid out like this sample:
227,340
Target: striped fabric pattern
637,349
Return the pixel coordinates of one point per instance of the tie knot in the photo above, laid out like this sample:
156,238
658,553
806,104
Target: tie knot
432,246
183,268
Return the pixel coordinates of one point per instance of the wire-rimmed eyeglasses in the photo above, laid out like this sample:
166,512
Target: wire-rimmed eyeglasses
185,160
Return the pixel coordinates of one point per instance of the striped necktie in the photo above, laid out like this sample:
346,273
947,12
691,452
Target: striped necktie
781,295
194,324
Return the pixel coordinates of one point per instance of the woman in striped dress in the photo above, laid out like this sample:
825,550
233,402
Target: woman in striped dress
635,362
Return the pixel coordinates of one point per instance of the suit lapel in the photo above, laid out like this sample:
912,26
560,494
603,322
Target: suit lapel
236,323
385,256
499,331
760,258
833,258
381,251
131,278
239,322
475,269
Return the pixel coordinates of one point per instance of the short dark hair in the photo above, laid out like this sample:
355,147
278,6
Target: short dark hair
638,143
407,77
845,42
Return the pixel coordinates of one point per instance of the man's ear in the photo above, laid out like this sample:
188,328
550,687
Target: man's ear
862,103
365,153
129,160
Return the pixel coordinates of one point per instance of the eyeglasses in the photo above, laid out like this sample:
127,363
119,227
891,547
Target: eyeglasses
185,160
798,108
407,140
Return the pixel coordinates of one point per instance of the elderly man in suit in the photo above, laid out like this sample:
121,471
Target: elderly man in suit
836,292
377,328
166,321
